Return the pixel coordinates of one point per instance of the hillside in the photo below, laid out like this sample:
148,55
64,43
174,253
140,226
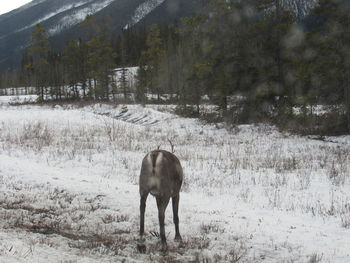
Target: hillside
62,18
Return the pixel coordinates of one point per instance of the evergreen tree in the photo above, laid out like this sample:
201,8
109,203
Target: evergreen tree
100,58
38,50
270,63
196,68
123,81
56,75
153,56
75,61
225,49
26,73
141,83
331,55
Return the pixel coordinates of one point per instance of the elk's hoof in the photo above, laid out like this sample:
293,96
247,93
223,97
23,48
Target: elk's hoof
141,248
164,248
178,238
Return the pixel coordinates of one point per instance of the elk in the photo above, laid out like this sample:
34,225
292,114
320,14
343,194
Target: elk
161,175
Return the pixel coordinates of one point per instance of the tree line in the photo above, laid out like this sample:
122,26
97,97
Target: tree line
83,69
252,58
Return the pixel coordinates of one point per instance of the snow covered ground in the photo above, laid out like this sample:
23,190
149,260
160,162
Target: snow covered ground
69,188
6,100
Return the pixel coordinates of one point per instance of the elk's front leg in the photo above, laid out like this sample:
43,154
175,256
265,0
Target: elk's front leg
162,203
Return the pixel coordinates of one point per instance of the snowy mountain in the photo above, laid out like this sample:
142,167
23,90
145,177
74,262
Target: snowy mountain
55,15
299,7
62,17
142,10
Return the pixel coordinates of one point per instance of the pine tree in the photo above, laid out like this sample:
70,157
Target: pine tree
331,49
141,82
153,56
38,50
75,61
124,82
223,47
56,75
101,57
196,68
26,73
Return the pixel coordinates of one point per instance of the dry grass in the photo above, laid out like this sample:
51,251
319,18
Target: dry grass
265,168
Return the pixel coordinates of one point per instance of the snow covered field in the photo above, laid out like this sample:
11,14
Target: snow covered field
69,188
20,99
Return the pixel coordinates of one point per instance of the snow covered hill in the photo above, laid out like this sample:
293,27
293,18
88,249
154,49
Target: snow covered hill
69,188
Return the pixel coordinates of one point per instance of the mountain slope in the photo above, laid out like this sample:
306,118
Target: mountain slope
55,15
300,7
62,17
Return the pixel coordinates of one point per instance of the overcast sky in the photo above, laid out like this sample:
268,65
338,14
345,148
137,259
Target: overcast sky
8,5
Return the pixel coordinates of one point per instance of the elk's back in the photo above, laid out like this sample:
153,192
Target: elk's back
161,174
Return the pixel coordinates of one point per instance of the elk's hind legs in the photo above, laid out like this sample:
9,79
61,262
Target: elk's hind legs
175,202
142,213
162,203
141,246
